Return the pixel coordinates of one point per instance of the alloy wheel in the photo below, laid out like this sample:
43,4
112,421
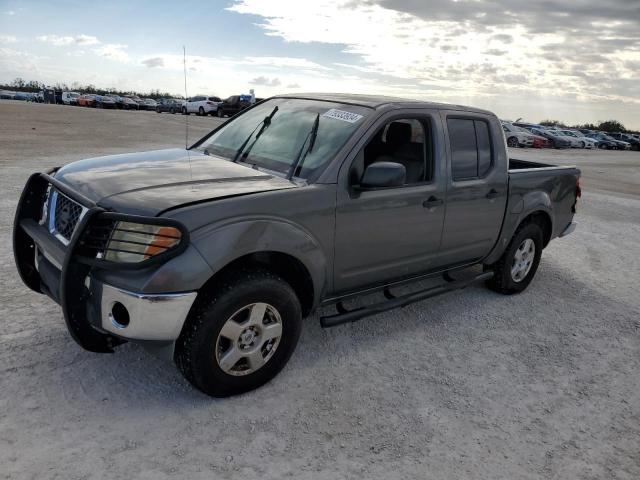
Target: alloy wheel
248,339
523,260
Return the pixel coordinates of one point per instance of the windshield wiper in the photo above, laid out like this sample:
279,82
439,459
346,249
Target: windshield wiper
262,125
302,154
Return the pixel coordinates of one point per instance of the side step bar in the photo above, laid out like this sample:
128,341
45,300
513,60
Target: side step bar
347,316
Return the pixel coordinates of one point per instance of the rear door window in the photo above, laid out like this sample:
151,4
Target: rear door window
471,154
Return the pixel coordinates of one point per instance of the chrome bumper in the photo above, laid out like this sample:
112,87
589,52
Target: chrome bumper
147,317
569,229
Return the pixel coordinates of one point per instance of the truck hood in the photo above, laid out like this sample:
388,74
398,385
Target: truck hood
148,183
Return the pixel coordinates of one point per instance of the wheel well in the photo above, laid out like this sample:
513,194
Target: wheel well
544,220
286,266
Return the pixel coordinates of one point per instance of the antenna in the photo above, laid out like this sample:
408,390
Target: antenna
184,63
186,117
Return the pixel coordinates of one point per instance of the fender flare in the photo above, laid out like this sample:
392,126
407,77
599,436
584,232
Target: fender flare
527,205
221,244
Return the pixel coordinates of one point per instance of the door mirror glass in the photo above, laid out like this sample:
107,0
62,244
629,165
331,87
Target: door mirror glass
383,174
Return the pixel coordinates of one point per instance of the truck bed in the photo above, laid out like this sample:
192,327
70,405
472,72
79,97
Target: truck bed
515,165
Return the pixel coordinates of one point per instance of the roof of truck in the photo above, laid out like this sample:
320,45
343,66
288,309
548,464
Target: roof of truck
377,101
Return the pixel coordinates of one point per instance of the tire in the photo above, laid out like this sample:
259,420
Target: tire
184,111
172,111
201,112
202,345
220,113
581,144
158,110
504,281
512,142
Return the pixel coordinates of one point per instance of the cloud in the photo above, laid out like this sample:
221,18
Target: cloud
293,85
62,41
266,82
9,12
284,62
574,49
154,62
113,51
8,39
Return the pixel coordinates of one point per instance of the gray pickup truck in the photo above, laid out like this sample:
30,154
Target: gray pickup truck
212,255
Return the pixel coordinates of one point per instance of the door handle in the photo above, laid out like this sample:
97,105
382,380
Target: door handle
432,202
493,193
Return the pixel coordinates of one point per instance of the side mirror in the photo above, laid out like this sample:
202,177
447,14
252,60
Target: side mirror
383,174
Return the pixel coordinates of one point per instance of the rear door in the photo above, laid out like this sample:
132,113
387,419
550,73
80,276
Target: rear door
476,188
391,233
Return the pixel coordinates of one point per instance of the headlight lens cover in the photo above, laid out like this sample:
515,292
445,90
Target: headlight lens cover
135,242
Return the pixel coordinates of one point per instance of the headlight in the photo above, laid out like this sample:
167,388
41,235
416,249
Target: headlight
135,242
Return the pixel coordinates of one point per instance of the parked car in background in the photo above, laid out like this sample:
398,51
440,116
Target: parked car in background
516,137
129,103
147,104
7,95
202,105
557,141
70,98
584,141
119,101
604,141
104,101
232,105
538,141
86,100
169,105
630,139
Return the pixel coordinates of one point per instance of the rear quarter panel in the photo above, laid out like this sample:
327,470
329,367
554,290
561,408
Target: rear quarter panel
549,189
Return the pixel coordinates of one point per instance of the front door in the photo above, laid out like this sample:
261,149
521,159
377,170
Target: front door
390,233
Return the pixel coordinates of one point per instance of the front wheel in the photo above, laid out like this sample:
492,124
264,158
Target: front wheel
220,113
240,335
184,111
512,142
519,263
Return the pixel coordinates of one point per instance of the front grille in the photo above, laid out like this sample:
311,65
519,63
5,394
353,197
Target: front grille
64,215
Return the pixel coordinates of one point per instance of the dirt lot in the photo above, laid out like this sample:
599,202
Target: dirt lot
540,385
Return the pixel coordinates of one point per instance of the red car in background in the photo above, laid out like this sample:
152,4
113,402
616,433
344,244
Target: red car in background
540,142
86,100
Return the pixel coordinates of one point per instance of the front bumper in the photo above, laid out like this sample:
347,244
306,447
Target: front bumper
145,316
47,266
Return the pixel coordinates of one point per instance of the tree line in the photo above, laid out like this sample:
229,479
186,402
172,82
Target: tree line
609,126
21,85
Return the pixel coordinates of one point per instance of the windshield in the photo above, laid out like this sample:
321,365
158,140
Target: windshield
280,142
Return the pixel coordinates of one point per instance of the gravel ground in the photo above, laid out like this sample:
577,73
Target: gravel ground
481,386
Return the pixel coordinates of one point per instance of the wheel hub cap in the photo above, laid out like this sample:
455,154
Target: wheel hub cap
523,260
248,339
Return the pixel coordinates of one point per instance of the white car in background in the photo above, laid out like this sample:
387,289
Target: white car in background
516,136
202,105
584,142
70,98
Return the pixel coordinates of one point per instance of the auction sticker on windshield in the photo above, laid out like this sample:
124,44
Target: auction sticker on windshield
342,115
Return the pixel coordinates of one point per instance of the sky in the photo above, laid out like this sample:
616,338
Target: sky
576,61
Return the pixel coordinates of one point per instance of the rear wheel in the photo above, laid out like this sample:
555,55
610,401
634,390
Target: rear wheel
239,336
158,109
184,111
201,112
220,113
519,262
